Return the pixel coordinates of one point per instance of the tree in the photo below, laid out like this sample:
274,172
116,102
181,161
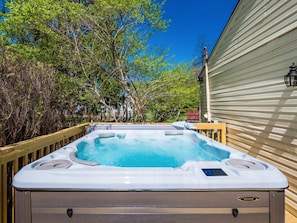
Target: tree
203,48
92,42
27,94
180,94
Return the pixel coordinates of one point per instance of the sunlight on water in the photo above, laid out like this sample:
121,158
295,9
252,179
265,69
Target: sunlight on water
170,151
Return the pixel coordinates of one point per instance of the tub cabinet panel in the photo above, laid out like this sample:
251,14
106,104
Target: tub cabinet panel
151,206
161,199
152,219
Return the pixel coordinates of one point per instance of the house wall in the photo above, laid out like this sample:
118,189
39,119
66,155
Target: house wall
247,89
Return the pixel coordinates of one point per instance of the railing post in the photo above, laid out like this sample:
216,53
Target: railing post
1,194
4,193
223,134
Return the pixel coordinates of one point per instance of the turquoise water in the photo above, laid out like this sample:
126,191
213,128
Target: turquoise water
168,151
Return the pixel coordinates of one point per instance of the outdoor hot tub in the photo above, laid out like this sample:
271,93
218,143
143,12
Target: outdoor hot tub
155,175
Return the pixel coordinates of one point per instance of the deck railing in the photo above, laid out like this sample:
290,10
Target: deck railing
14,157
216,131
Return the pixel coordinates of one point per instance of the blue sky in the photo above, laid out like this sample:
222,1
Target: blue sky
1,4
191,21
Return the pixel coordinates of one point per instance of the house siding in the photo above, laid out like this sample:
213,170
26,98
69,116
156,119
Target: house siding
247,89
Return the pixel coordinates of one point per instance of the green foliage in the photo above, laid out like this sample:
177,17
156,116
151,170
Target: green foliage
174,99
99,50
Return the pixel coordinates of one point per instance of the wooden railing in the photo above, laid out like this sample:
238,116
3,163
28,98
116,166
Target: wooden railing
216,131
14,157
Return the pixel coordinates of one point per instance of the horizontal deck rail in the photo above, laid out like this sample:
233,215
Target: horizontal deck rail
216,131
14,157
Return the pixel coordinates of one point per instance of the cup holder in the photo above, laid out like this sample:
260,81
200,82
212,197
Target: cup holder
53,164
245,164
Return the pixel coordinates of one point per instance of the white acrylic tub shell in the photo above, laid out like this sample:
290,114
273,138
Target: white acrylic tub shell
58,171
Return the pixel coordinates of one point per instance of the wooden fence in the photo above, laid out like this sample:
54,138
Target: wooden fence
14,157
216,131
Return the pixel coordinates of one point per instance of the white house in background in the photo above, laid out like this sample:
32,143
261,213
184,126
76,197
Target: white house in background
243,85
